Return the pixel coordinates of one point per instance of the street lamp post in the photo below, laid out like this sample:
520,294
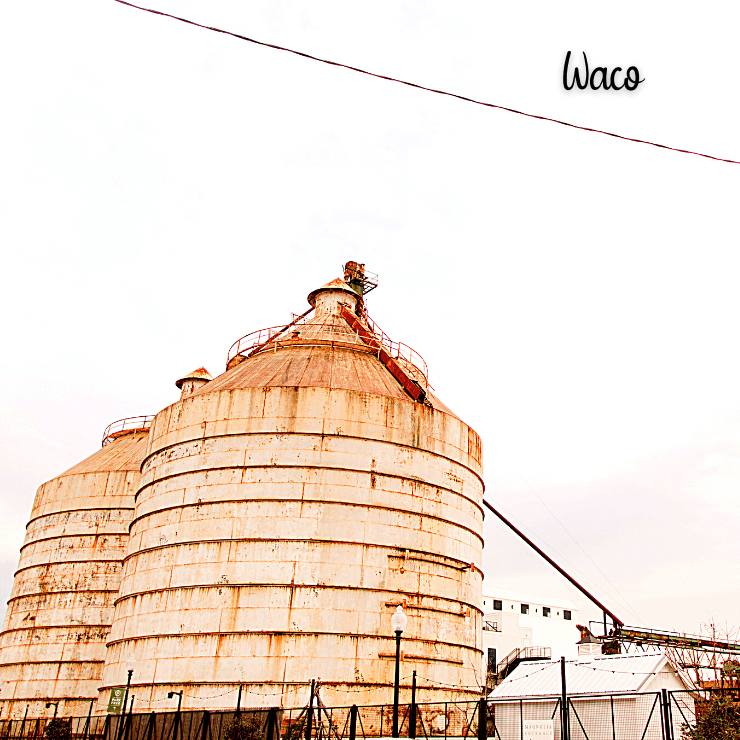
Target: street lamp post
176,726
178,694
56,706
130,665
398,624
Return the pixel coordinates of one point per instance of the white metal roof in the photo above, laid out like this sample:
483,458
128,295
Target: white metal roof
605,675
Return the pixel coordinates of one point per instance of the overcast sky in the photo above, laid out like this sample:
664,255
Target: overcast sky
165,190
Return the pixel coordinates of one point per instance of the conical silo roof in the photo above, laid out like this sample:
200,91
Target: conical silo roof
324,351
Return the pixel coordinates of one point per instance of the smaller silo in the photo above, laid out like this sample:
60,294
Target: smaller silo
52,646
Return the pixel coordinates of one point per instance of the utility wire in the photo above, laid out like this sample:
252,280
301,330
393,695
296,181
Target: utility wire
421,87
573,568
565,529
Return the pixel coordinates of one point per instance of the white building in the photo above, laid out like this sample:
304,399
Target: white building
615,695
514,621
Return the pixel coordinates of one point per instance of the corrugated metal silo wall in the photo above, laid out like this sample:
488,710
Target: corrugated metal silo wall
52,646
275,531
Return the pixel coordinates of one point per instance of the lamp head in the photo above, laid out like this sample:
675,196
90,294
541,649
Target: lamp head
398,620
170,695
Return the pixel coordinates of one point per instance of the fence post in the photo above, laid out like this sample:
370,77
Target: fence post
482,719
666,717
353,722
564,721
87,722
521,719
614,729
309,718
207,725
271,726
239,701
412,716
150,726
106,727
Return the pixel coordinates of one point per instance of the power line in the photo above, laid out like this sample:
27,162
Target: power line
565,529
422,87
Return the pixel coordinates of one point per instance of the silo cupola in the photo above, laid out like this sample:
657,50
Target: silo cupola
192,381
330,297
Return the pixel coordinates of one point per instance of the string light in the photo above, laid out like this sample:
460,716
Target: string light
422,87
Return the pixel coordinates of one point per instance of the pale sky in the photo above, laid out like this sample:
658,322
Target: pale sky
165,190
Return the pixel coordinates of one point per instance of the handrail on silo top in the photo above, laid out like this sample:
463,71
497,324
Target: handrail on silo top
125,426
411,361
251,343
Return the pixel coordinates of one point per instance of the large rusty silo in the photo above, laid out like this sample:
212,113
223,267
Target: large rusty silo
285,509
52,646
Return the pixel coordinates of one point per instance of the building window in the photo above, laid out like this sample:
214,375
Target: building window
525,608
497,605
545,611
566,614
491,659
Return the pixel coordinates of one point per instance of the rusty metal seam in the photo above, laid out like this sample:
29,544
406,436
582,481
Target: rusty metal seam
117,561
29,699
321,434
67,591
55,626
52,662
308,539
267,466
242,683
325,502
406,656
409,594
352,636
68,536
75,511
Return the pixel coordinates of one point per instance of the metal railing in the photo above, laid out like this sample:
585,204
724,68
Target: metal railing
409,359
518,655
129,424
262,339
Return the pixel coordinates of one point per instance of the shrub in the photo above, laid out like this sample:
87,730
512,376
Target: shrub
719,720
58,729
296,730
243,728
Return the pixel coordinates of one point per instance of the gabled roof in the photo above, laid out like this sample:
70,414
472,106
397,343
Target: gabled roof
609,674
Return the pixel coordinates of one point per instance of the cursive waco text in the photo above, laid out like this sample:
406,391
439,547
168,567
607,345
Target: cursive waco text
599,77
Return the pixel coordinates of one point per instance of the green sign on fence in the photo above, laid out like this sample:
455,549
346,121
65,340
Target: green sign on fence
116,700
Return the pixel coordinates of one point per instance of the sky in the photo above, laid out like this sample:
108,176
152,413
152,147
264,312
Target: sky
165,190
